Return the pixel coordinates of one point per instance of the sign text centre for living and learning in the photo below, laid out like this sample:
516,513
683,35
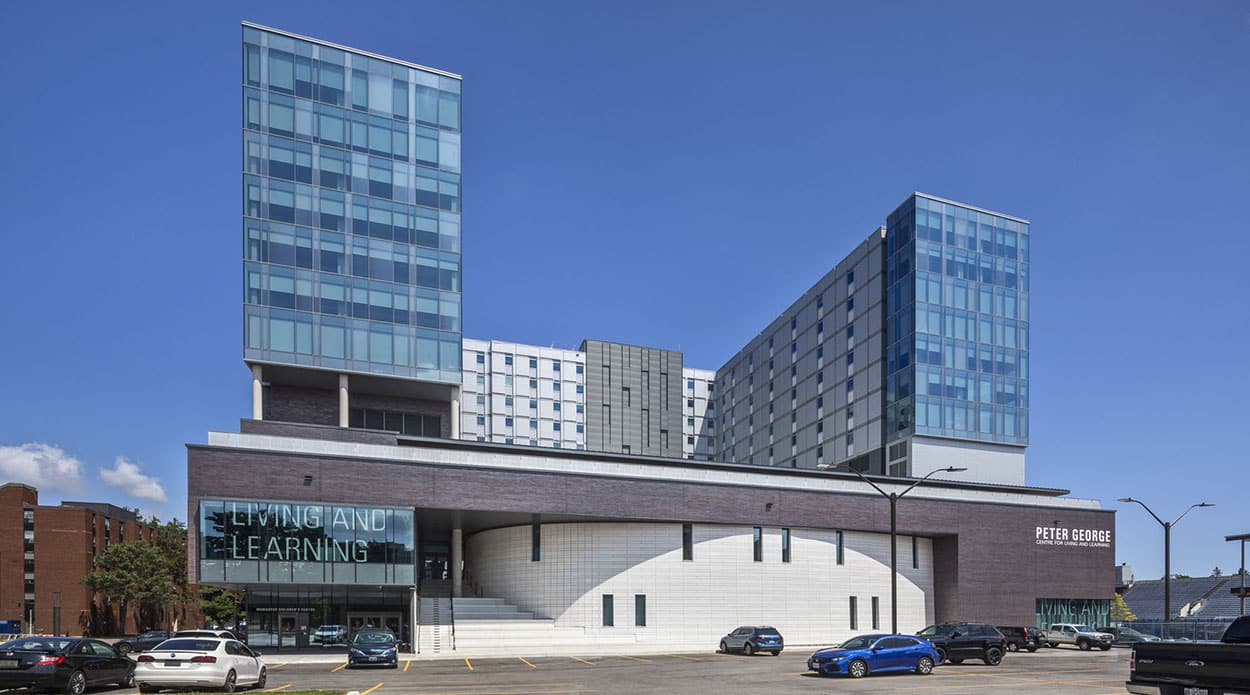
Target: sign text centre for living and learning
301,532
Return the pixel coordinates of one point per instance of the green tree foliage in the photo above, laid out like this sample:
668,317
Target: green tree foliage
220,606
1120,610
133,574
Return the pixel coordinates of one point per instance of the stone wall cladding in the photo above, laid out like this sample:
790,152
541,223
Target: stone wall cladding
998,568
299,404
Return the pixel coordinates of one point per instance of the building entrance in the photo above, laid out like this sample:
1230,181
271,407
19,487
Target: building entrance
435,562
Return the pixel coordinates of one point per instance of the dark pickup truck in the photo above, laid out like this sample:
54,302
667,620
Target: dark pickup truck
1194,668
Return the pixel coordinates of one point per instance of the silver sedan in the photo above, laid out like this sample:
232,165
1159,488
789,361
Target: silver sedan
199,662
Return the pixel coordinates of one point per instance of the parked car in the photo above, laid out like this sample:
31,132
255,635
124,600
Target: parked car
958,641
330,634
749,639
199,662
142,642
222,634
865,654
1029,638
1173,668
373,647
1127,635
64,664
1083,636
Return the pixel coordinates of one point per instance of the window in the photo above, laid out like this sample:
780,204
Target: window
876,613
507,360
556,406
608,618
533,404
758,540
820,401
555,365
690,384
838,546
820,326
535,538
533,363
507,422
850,304
555,386
854,614
850,278
580,427
481,358
689,402
555,427
687,541
785,545
481,399
507,401
850,331
690,440
581,389
850,358
850,385
915,553
580,369
533,383
850,439
481,419
640,610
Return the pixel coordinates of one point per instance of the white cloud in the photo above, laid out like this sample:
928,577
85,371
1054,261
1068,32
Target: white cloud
41,465
126,476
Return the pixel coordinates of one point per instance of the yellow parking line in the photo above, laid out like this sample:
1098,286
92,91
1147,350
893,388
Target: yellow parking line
526,662
366,692
634,658
588,663
339,667
273,666
466,663
407,664
280,687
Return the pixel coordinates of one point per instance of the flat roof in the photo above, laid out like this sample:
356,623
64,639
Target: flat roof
970,207
349,49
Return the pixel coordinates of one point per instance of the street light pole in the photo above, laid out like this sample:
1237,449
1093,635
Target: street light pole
1167,550
894,497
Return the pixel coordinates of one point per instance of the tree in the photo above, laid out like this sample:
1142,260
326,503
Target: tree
1217,572
171,539
1120,610
220,606
135,574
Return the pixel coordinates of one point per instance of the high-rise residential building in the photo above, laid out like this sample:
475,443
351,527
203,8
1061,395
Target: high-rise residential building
523,394
351,228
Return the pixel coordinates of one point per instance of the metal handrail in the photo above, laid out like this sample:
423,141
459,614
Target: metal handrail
451,601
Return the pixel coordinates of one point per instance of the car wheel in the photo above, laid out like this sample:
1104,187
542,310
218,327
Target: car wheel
1083,644
724,648
1105,647
925,666
1032,649
146,689
993,656
857,669
231,682
123,648
264,676
748,649
128,681
1013,647
77,683
776,652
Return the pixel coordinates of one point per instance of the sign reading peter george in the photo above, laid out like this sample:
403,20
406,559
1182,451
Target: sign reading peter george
1076,537
295,532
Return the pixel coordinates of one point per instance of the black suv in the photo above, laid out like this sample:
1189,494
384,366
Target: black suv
1018,638
958,641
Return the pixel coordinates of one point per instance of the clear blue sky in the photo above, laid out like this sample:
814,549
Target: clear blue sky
669,174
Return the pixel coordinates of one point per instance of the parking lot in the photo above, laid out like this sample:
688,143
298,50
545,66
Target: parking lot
1048,671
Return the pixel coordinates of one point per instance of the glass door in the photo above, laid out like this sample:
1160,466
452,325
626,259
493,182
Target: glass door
288,629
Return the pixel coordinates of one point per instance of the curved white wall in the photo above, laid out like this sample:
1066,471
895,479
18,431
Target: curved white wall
694,603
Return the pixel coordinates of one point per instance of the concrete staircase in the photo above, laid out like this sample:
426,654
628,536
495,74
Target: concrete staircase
492,627
434,634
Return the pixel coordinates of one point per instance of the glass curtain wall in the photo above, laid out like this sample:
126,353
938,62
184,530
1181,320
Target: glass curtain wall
957,329
351,204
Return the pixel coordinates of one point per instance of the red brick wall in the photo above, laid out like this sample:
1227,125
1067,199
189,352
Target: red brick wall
13,498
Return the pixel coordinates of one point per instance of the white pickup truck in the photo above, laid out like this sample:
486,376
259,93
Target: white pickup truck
1083,636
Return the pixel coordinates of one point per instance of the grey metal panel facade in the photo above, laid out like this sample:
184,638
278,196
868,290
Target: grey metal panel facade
633,399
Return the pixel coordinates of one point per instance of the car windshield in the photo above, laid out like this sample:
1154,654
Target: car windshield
862,642
188,644
936,630
373,638
37,644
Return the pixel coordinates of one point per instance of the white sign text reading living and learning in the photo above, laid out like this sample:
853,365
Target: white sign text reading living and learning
298,519
1082,537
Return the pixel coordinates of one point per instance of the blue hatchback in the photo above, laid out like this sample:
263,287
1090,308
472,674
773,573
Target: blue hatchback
865,654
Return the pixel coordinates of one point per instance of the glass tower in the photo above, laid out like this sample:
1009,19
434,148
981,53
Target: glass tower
957,323
351,210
